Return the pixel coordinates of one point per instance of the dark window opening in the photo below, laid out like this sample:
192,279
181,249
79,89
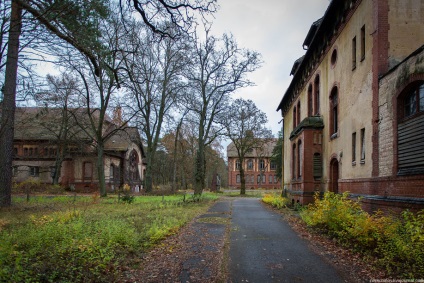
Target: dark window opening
316,96
363,43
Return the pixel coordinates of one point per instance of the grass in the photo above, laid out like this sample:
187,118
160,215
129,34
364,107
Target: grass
75,239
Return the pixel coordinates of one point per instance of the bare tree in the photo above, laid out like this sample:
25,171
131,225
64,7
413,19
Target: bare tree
154,80
219,68
244,126
60,107
72,22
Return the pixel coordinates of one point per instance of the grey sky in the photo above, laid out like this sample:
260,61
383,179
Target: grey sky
276,29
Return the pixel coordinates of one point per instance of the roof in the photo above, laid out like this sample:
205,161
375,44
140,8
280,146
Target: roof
317,40
265,151
43,124
311,33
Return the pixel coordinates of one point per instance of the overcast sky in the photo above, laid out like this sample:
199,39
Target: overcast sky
276,29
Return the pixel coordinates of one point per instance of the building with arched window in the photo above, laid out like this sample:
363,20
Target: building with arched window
361,130
259,170
41,150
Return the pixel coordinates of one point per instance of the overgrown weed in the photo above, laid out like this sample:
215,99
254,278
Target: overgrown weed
57,239
397,242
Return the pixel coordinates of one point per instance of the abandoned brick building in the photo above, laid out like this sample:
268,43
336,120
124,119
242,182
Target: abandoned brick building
260,171
354,110
45,142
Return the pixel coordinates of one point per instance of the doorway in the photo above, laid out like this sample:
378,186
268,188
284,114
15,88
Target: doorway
334,176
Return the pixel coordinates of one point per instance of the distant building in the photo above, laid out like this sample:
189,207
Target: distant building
354,110
259,170
40,141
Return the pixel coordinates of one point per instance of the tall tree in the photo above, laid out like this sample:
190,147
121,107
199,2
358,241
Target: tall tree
154,80
72,21
219,68
245,126
9,106
62,18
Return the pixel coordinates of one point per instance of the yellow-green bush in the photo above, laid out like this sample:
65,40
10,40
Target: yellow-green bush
275,200
397,242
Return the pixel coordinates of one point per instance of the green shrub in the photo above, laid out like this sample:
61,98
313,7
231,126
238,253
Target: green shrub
396,242
274,200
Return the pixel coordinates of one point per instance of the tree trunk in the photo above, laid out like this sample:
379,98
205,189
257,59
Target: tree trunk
101,170
200,170
8,107
58,166
243,181
148,177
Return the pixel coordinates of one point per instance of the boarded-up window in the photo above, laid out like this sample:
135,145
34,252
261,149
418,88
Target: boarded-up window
410,146
411,130
317,163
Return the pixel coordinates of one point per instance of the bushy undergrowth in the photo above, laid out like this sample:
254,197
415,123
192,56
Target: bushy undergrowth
276,201
84,240
396,242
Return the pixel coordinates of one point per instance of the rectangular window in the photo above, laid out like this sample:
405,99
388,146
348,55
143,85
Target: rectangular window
15,151
237,164
275,179
261,164
250,164
354,53
263,179
354,148
252,179
238,179
270,179
273,165
363,43
34,171
362,146
88,170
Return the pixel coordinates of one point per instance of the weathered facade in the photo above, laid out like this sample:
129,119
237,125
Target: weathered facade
353,113
259,170
45,142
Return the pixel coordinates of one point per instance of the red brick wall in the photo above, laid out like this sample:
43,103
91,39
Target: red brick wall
387,192
380,65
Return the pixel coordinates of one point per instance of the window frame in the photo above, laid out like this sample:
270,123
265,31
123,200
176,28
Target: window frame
354,53
354,148
363,43
334,112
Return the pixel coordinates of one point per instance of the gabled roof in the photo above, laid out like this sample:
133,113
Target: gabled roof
44,124
311,33
296,65
264,151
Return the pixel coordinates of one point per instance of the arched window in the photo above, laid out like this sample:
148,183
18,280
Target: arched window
250,164
133,166
294,162
411,130
261,164
310,101
316,96
237,164
294,117
299,159
298,113
334,112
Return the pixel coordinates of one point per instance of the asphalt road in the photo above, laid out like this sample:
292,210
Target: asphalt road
263,248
